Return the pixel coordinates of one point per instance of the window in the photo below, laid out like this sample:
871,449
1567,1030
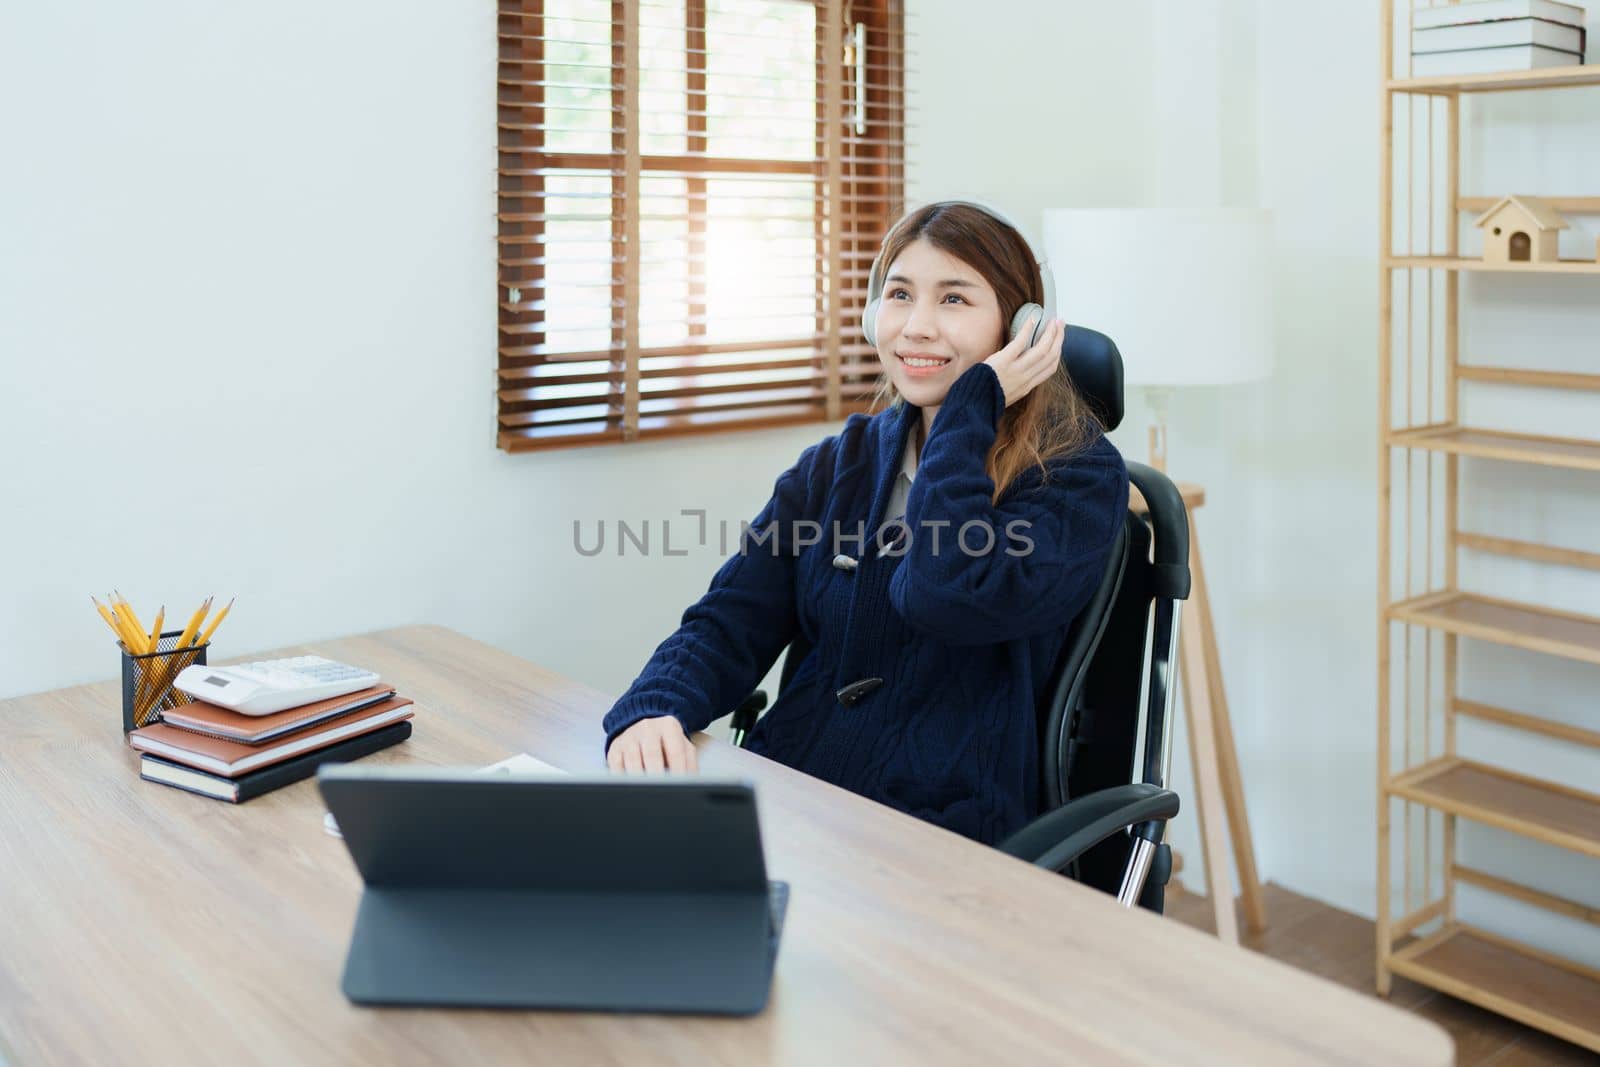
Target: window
684,235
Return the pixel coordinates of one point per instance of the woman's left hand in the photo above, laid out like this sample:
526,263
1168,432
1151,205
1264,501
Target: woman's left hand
1021,369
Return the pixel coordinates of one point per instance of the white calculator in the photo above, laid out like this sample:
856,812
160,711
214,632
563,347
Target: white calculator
266,686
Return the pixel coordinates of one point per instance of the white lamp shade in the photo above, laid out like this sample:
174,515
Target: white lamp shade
1185,294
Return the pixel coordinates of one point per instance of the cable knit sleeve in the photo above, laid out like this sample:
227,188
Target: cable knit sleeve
1050,539
729,639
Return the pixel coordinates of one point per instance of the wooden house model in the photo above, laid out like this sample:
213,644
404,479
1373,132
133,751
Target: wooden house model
1521,229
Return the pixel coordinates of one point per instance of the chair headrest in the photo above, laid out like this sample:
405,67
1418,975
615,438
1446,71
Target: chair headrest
1095,367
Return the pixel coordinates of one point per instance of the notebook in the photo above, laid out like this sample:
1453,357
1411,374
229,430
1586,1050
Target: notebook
1495,10
231,759
1490,61
1498,35
245,787
201,717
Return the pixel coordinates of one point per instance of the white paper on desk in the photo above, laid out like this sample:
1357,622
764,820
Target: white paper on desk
521,763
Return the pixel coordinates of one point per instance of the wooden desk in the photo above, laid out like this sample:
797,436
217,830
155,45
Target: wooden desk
141,924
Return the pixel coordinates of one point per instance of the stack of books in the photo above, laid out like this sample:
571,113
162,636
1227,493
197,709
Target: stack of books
220,753
1490,36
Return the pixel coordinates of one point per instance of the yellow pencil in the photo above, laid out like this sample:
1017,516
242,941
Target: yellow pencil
105,613
194,623
118,626
155,631
133,618
167,668
223,614
134,643
118,622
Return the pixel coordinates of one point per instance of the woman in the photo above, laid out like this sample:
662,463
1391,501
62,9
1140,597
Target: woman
931,638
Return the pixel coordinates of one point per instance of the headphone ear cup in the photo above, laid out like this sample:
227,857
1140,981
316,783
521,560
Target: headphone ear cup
869,322
1020,319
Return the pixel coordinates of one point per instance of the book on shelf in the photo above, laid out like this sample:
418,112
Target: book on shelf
233,759
1496,10
1491,61
245,787
1504,34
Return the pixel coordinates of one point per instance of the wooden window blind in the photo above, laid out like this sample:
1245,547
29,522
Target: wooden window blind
691,193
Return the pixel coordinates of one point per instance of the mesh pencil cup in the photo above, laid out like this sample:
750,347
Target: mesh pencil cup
147,679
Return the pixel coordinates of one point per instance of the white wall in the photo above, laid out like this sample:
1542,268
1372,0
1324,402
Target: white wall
1307,675
1029,103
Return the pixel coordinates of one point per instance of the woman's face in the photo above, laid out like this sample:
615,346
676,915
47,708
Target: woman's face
938,317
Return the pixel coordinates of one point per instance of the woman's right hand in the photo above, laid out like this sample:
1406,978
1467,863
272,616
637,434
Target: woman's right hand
653,744
1022,368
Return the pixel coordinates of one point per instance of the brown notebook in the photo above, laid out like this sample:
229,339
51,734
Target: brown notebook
204,718
232,758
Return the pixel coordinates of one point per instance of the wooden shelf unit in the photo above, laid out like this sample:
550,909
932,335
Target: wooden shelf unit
1423,613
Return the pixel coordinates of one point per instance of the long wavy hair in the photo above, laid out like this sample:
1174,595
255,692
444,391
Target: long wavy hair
1053,421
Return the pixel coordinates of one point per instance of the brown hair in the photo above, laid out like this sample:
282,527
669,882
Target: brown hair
1053,420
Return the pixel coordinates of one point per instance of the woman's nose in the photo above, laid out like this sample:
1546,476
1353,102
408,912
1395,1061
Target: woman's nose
919,322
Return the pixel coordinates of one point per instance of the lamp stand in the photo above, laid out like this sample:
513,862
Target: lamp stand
1160,397
1218,786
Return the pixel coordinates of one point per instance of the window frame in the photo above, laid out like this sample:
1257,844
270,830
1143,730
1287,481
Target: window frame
858,180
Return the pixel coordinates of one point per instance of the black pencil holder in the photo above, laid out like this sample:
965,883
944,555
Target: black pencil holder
147,679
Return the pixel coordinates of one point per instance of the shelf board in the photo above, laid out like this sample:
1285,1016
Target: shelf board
1562,266
1505,622
1537,989
1503,81
1527,806
1537,379
1567,452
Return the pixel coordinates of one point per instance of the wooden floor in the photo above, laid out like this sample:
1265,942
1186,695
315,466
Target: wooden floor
1337,945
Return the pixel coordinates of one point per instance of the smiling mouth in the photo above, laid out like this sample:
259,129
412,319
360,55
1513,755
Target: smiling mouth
922,362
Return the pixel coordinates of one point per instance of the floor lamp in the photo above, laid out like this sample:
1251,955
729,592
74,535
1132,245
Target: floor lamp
1186,295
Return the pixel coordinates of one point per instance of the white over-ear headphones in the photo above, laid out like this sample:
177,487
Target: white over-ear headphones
869,316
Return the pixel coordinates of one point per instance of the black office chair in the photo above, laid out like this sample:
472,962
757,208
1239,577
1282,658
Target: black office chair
1105,801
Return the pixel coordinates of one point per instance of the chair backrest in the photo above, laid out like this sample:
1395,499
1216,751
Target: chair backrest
1095,367
1094,364
1114,676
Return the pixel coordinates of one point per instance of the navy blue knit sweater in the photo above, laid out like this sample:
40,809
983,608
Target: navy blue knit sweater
962,639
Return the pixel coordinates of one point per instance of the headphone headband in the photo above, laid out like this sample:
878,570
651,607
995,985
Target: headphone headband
875,277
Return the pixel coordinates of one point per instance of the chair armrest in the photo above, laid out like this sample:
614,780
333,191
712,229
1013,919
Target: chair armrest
1170,521
1058,837
744,716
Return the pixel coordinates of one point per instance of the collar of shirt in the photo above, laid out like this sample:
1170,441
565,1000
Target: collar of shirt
908,460
900,491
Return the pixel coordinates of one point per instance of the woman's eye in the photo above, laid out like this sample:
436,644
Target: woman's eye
896,294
